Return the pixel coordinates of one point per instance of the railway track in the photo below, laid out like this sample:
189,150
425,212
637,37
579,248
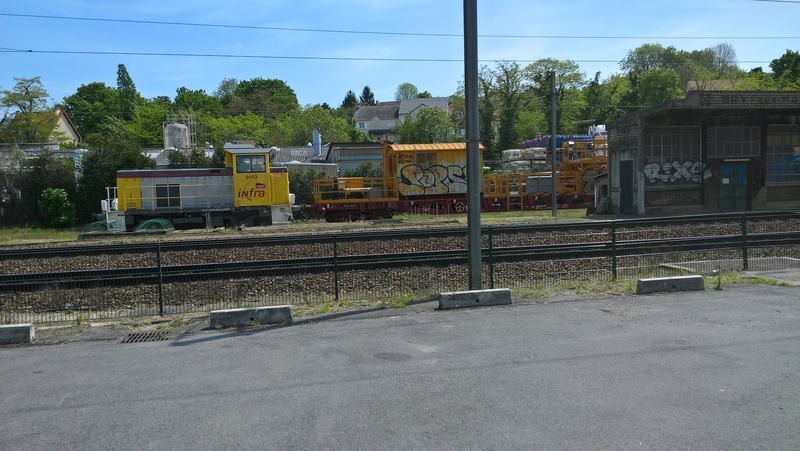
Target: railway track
230,270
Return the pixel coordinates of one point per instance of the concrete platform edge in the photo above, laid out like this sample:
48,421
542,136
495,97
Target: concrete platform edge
12,334
474,298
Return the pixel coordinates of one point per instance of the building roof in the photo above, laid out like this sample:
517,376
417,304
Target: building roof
287,154
428,147
721,102
385,111
409,106
68,121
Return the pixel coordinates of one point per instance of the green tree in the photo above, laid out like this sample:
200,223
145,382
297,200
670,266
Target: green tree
430,125
11,164
724,61
348,107
786,70
656,86
226,91
406,91
367,97
530,123
37,174
32,121
570,82
128,95
509,88
56,208
756,80
604,98
365,169
268,98
486,114
296,128
148,125
350,100
220,130
301,185
91,106
112,148
196,101
28,96
651,56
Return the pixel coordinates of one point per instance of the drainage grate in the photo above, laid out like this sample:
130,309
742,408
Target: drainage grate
142,337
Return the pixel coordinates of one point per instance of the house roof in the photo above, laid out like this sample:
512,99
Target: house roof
63,115
299,154
239,145
409,106
385,111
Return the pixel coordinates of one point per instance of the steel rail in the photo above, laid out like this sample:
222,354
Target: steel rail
149,274
383,235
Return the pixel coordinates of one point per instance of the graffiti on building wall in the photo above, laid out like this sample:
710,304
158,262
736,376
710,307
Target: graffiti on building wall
436,179
690,171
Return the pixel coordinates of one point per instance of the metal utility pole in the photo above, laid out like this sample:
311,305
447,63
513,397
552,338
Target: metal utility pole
473,139
554,188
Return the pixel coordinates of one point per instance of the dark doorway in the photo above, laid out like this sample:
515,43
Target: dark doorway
733,186
626,187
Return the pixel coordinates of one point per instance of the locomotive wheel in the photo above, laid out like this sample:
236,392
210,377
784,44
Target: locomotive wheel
459,207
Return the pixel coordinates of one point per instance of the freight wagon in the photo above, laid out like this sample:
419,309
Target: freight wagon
432,179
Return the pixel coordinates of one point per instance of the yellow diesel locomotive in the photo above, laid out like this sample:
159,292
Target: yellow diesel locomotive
246,192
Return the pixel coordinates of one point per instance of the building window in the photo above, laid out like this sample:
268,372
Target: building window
783,153
672,156
391,124
251,163
168,196
734,142
362,125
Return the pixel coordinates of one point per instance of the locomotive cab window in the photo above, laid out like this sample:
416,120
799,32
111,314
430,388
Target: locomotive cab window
251,163
168,195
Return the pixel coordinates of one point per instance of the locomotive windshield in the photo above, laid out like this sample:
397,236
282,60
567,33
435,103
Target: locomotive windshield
251,163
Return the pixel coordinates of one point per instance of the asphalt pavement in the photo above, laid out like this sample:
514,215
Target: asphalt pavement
700,370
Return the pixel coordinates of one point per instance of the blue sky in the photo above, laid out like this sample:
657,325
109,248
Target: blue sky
365,57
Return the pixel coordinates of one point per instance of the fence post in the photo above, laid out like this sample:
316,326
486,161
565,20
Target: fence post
491,260
614,251
745,262
160,281
335,270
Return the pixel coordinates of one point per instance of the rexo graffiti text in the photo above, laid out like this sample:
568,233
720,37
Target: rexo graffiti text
673,172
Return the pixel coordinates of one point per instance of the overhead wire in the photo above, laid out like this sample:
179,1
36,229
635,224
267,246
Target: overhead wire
387,33
295,57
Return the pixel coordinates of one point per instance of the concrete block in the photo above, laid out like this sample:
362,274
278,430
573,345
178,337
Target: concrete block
661,284
251,316
475,298
12,334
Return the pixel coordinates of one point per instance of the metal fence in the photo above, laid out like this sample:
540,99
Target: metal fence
118,281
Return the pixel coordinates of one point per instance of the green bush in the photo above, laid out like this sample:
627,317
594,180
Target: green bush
56,209
301,185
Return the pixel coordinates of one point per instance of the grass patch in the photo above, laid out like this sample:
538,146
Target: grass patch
347,305
27,235
735,277
618,287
